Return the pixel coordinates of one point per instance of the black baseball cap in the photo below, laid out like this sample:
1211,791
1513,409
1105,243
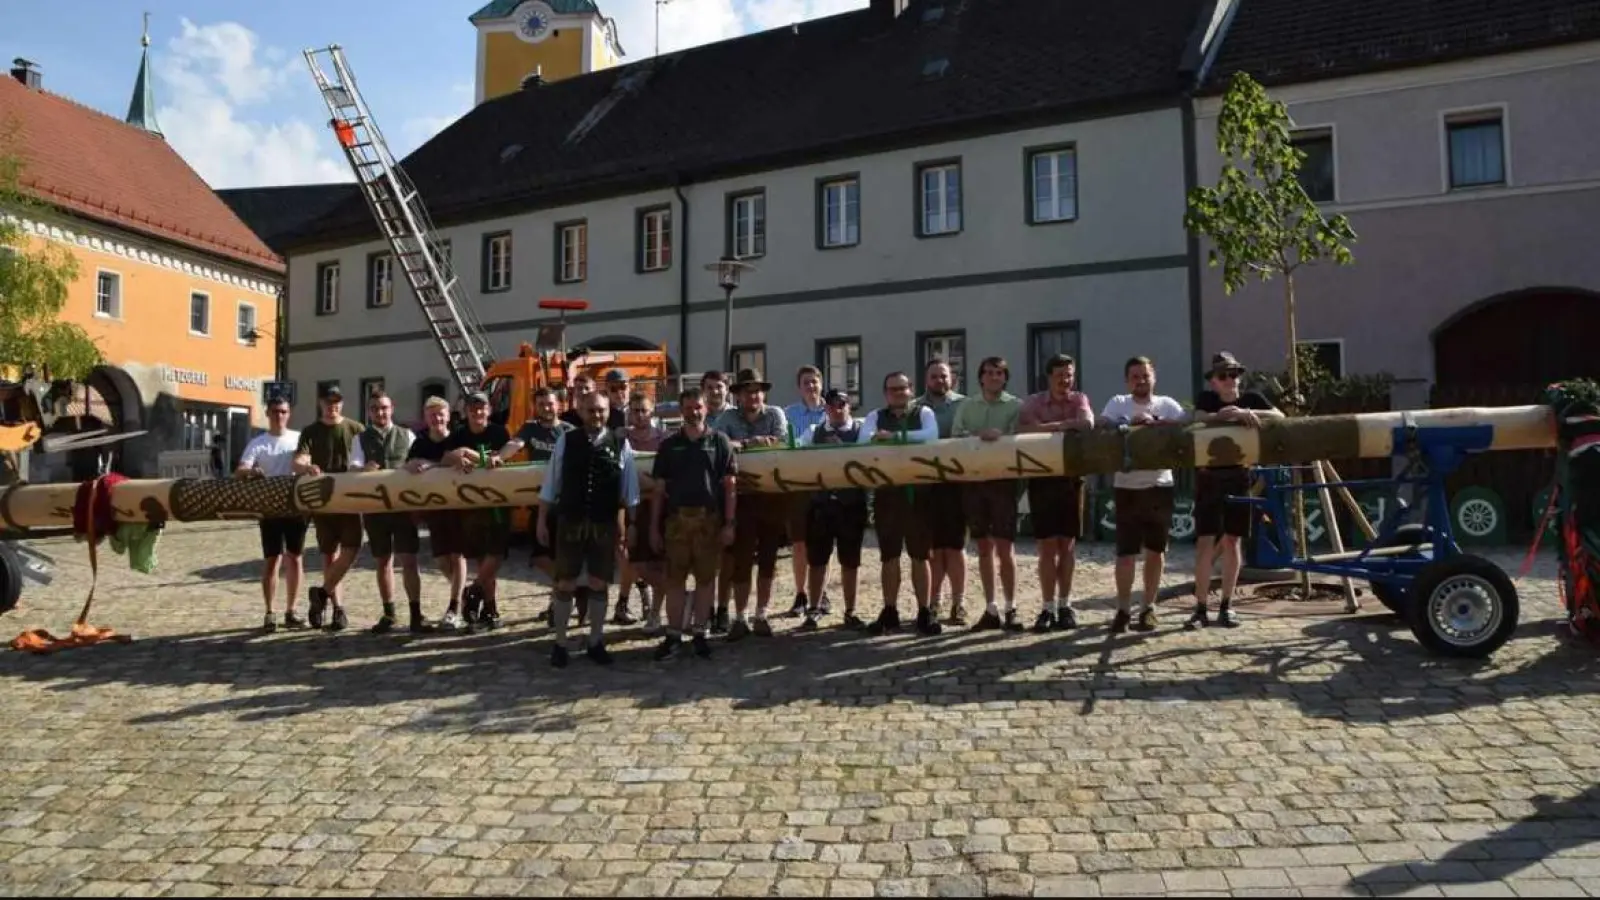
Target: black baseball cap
836,397
331,392
477,397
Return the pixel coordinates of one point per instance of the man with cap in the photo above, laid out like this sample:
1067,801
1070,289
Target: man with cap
1218,522
592,481
485,532
803,415
392,536
834,518
762,523
948,531
270,454
328,446
899,512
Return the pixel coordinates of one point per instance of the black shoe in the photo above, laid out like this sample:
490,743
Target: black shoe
1227,618
702,647
340,620
810,624
852,622
1012,624
319,606
801,603
927,625
621,617
420,625
488,620
1147,620
1045,623
958,616
1200,618
1119,622
597,652
738,630
668,647
760,627
292,622
384,625
269,624
1066,619
558,656
472,600
719,621
989,621
888,621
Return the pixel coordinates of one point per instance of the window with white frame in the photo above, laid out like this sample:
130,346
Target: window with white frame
327,288
380,280
199,313
247,324
840,362
655,239
939,198
1329,355
748,225
1477,149
840,207
572,250
950,346
1053,185
108,295
749,356
497,261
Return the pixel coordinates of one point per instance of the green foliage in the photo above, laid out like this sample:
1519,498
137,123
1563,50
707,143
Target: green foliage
33,290
1322,393
1258,217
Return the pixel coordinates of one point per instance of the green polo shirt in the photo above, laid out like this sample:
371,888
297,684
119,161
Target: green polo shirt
977,414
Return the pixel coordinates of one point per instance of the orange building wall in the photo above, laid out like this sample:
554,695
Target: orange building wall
508,59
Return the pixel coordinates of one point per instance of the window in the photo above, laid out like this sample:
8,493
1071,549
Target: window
938,199
432,389
1477,150
749,356
572,252
1316,168
1052,185
1046,340
839,212
246,322
1329,355
199,313
327,288
380,280
950,346
497,262
655,239
747,225
840,361
369,386
108,295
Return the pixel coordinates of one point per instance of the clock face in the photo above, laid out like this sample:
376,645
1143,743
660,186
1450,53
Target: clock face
533,21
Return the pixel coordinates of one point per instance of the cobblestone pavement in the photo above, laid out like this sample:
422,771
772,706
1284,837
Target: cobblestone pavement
1304,753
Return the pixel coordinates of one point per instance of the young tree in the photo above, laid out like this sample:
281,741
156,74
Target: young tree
33,290
1261,223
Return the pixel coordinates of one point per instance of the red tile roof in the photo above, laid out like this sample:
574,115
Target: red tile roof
102,168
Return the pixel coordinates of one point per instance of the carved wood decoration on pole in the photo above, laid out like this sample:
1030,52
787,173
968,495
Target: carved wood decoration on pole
1101,450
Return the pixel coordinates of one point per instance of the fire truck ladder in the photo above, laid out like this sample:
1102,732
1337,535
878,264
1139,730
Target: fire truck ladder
404,220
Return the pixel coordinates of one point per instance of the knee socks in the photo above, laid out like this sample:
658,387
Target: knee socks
561,613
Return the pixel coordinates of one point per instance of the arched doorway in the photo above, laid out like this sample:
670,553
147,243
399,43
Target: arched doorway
107,398
1526,338
620,342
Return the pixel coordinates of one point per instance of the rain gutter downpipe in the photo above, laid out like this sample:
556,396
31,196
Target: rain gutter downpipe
683,281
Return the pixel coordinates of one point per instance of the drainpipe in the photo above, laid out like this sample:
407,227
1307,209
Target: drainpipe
683,281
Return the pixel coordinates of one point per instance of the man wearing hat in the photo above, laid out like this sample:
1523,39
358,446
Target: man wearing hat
485,533
762,524
1218,523
835,519
328,446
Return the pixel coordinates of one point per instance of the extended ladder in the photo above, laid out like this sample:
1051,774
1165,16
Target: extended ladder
404,221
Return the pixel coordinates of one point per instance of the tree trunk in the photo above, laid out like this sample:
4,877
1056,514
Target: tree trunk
1100,450
1297,408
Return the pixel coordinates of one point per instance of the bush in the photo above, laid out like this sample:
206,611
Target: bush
1321,393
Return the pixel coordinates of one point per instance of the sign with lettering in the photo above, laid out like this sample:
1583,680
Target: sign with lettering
241,383
173,375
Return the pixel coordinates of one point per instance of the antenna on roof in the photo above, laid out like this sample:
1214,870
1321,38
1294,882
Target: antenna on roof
659,4
144,40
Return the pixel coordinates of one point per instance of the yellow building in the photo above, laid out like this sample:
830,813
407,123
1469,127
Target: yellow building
180,296
520,40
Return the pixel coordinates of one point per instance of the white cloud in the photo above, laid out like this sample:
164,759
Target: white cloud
211,76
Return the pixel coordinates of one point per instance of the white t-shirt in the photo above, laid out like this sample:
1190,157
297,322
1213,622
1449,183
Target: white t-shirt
272,454
1122,408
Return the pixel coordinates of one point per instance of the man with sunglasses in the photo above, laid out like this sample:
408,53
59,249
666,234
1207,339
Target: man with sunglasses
1218,522
900,512
283,541
392,536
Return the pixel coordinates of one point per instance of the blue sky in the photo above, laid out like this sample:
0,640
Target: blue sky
235,98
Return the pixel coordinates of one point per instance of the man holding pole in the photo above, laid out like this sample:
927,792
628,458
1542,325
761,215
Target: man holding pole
803,415
485,533
283,540
899,512
392,536
835,518
329,446
761,528
990,507
948,529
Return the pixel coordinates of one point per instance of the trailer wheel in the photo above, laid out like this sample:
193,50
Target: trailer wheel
10,579
1391,594
1463,606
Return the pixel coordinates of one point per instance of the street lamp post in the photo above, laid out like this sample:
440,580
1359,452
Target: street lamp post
728,272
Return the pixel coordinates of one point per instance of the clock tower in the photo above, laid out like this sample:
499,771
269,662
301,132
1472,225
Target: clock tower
519,40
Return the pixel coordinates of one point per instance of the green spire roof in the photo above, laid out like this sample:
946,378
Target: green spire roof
142,109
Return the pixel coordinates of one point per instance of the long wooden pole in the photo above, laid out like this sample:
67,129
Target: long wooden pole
1101,450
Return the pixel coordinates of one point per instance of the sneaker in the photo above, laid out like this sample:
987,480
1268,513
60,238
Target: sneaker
319,606
652,624
824,608
488,620
668,647
1119,622
1045,623
800,604
1013,623
420,625
810,623
293,622
340,620
451,621
597,652
1227,618
384,625
558,656
702,647
958,616
621,617
760,627
1066,619
738,630
852,622
927,625
1147,620
1200,618
888,621
269,624
989,621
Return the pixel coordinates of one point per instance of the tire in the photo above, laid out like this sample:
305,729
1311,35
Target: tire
1464,606
10,579
1395,596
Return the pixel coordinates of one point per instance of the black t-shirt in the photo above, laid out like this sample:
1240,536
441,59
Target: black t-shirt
618,418
423,446
693,469
1211,402
540,439
492,436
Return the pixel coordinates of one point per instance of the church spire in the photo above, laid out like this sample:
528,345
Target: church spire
142,109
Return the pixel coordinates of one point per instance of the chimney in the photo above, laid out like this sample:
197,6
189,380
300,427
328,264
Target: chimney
889,10
534,79
27,72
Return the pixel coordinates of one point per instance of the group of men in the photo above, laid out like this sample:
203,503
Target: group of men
694,525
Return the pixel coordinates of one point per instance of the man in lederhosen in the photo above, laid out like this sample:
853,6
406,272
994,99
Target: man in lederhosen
803,415
539,435
1055,502
329,446
899,513
991,506
428,449
392,536
486,532
592,481
762,524
948,529
642,563
835,519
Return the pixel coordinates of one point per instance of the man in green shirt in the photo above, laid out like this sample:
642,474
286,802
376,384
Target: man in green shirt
328,446
948,529
392,536
990,507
